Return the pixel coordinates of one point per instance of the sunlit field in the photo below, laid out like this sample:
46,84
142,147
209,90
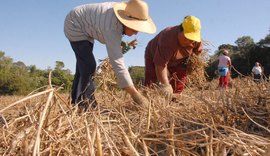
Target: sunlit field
201,121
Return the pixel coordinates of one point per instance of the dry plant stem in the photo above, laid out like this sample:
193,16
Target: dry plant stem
108,143
4,120
37,90
31,120
93,136
171,137
148,117
91,151
128,143
145,148
98,141
18,138
62,99
109,140
211,143
254,121
41,121
26,98
70,123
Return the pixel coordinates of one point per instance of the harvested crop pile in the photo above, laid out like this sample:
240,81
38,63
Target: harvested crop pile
199,122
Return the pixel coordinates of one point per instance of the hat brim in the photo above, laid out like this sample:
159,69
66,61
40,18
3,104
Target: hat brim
146,26
193,36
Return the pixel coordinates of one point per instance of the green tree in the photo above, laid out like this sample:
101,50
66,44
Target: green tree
261,53
17,78
14,77
137,74
39,77
60,76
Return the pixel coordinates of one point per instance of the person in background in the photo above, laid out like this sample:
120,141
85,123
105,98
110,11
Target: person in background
224,63
167,52
257,72
107,23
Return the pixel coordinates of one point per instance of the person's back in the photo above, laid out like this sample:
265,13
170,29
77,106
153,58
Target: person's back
223,61
91,22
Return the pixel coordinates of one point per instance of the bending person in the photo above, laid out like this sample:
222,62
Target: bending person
166,55
105,22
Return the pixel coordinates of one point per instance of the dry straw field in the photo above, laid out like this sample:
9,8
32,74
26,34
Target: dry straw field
201,121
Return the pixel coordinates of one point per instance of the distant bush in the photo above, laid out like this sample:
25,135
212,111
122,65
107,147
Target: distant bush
18,79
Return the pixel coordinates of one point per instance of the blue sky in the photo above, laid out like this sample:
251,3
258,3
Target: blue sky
31,31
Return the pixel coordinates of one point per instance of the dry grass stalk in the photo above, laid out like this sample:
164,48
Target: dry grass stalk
196,65
128,143
98,141
171,138
24,99
41,121
91,151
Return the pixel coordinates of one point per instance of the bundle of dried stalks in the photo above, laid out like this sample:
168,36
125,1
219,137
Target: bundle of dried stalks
196,65
105,76
201,122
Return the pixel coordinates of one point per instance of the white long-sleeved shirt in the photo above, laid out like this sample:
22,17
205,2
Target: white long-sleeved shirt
99,22
257,70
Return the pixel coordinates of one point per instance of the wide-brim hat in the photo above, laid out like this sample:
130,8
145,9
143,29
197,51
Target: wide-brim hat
134,14
192,28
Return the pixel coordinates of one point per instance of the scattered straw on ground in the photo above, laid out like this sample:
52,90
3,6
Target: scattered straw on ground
206,122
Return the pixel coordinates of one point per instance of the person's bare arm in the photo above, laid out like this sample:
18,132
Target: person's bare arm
136,96
162,74
131,90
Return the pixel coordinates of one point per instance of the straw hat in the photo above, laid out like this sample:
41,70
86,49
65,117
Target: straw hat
134,14
192,28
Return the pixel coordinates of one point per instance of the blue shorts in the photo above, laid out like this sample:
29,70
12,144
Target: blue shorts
223,71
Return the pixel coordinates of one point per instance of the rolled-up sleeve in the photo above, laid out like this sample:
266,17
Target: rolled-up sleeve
113,41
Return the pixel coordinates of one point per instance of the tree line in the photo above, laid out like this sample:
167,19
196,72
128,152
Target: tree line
18,79
243,55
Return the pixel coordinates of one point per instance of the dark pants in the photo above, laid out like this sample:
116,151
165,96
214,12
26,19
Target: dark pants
83,84
257,77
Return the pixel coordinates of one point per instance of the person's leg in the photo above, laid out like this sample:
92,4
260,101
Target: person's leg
226,80
149,73
224,77
178,78
257,77
221,81
75,86
86,66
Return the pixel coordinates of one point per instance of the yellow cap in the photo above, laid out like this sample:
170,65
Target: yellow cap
192,28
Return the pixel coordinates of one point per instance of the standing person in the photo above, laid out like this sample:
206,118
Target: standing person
224,63
257,72
105,22
166,55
